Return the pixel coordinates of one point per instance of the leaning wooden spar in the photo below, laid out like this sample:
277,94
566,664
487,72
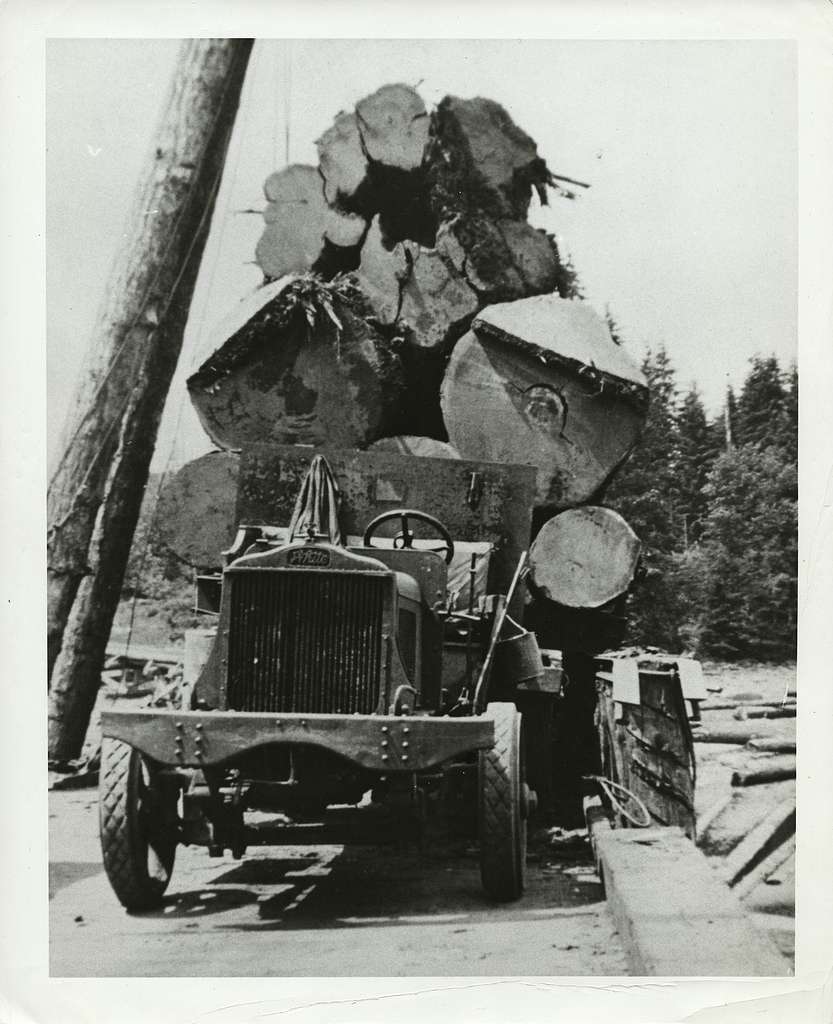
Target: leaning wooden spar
97,487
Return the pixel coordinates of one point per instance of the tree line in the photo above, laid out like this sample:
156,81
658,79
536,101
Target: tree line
714,502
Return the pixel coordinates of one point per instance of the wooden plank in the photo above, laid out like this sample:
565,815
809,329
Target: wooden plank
745,810
646,747
775,828
673,914
768,866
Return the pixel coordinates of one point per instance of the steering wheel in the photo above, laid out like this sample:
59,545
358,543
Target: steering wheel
405,538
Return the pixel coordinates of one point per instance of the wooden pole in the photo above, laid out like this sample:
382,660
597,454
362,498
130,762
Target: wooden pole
96,492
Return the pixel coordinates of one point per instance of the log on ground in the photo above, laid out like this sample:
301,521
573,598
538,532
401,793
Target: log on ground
773,746
196,509
777,769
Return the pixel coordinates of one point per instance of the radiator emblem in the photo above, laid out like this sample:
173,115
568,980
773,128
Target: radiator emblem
308,557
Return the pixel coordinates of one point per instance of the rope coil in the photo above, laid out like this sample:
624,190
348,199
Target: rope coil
608,786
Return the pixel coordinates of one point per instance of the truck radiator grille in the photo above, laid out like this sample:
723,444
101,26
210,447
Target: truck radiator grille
305,641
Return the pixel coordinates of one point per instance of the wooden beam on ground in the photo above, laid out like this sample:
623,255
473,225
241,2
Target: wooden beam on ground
767,835
674,916
768,866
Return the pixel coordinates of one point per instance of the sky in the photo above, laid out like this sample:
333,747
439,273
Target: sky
688,233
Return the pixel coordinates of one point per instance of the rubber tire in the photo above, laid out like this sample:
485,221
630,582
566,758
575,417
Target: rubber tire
125,845
502,822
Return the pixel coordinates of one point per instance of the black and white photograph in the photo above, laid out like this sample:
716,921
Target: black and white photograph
423,588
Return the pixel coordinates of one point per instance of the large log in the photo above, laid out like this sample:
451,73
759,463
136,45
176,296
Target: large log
584,557
422,447
299,365
393,125
302,232
380,274
479,159
417,286
368,155
501,260
437,304
541,382
196,510
342,161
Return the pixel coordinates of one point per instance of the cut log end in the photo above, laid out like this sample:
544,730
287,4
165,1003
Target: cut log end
196,509
302,232
584,557
308,369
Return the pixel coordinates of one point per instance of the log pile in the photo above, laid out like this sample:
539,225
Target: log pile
408,305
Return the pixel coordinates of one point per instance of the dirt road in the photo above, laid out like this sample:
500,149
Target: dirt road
323,910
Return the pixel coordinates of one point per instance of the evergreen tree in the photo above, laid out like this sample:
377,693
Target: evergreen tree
750,555
646,492
697,451
791,408
763,413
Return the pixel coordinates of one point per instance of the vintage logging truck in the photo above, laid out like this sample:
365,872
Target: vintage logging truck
369,650
385,663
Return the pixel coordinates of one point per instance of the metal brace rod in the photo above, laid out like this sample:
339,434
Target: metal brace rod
496,631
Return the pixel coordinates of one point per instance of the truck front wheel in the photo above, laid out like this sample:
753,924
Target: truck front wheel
137,824
503,807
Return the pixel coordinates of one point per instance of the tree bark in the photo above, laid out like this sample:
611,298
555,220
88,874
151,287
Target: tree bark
96,493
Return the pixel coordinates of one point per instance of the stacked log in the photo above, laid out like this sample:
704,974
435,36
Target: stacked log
408,305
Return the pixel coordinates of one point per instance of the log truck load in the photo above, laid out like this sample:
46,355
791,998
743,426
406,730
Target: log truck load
415,395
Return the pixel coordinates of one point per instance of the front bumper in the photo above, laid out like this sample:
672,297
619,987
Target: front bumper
381,743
